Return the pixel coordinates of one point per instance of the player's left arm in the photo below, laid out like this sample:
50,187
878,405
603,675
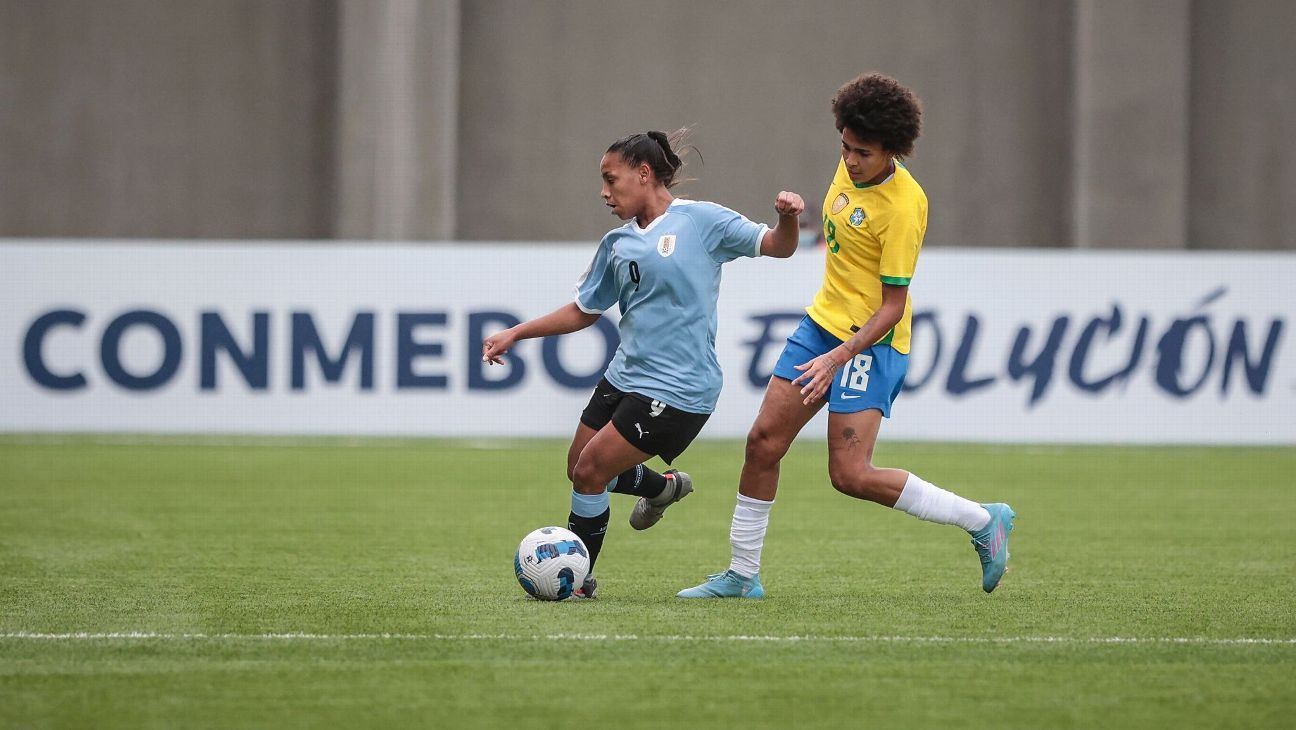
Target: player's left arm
817,375
781,240
883,320
901,237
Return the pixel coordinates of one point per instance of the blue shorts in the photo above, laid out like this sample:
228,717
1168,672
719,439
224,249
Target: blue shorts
872,380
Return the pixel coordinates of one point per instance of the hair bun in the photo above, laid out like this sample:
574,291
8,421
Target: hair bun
655,149
664,142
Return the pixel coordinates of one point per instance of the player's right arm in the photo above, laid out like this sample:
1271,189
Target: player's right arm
563,320
596,290
781,240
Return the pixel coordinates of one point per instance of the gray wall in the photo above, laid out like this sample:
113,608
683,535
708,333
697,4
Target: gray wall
1243,126
158,118
571,78
1088,123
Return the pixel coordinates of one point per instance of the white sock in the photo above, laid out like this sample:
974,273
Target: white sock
747,534
926,501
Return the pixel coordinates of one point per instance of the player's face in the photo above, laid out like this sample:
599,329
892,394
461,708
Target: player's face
866,162
624,188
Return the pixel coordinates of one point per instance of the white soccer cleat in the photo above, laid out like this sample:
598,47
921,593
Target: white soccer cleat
588,588
648,512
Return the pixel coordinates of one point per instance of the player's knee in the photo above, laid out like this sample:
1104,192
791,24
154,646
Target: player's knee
764,446
860,482
841,481
586,476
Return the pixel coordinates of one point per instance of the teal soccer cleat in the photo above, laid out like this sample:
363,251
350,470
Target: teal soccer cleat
726,585
991,543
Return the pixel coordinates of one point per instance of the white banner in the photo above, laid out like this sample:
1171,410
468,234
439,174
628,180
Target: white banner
319,338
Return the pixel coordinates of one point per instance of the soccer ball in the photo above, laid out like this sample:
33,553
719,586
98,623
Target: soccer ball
551,563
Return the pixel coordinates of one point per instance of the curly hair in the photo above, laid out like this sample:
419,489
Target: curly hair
878,109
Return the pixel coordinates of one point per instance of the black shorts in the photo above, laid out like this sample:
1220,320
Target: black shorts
649,425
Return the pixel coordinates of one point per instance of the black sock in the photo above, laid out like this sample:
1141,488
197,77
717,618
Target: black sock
640,481
591,531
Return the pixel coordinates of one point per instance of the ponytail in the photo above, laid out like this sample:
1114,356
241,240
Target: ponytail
658,151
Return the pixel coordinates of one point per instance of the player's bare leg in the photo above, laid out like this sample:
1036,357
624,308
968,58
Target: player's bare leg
602,457
605,455
579,440
782,416
655,491
851,438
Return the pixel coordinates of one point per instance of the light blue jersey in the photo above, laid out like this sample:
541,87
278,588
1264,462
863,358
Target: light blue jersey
666,279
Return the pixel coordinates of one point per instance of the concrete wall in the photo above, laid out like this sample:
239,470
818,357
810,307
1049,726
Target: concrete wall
157,118
1090,123
1131,91
1243,126
558,82
398,115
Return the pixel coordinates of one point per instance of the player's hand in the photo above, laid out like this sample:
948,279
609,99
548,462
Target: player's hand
789,204
817,375
494,347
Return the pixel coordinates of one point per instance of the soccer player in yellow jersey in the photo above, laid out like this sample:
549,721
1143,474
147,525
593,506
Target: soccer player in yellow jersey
851,350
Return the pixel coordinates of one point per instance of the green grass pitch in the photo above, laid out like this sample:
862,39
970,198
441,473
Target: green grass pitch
313,583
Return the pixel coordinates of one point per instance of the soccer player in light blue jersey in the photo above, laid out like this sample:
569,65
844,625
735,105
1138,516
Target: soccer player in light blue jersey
662,270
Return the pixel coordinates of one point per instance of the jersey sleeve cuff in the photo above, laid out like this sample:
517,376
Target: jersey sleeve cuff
584,308
760,238
897,280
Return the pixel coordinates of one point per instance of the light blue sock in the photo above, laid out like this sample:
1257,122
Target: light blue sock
589,505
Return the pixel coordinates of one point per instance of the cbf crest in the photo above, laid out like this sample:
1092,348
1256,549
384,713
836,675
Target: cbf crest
666,245
857,217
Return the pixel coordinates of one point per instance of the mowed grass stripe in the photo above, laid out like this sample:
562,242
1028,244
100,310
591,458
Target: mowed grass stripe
740,638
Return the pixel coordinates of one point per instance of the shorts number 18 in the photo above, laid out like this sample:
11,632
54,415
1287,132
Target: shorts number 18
855,374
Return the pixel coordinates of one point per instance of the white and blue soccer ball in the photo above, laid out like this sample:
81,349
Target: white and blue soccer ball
551,563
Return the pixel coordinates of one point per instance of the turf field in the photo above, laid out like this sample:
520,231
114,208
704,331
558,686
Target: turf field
264,582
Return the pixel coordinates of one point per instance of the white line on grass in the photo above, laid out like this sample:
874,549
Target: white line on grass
1116,640
219,441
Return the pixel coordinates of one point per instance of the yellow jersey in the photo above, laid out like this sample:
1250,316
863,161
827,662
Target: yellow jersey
874,233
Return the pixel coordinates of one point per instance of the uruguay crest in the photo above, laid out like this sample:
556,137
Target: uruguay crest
857,217
666,245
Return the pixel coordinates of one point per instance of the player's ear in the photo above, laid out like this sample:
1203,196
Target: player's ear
644,172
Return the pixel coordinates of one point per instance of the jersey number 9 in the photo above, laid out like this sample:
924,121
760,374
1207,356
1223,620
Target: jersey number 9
634,274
